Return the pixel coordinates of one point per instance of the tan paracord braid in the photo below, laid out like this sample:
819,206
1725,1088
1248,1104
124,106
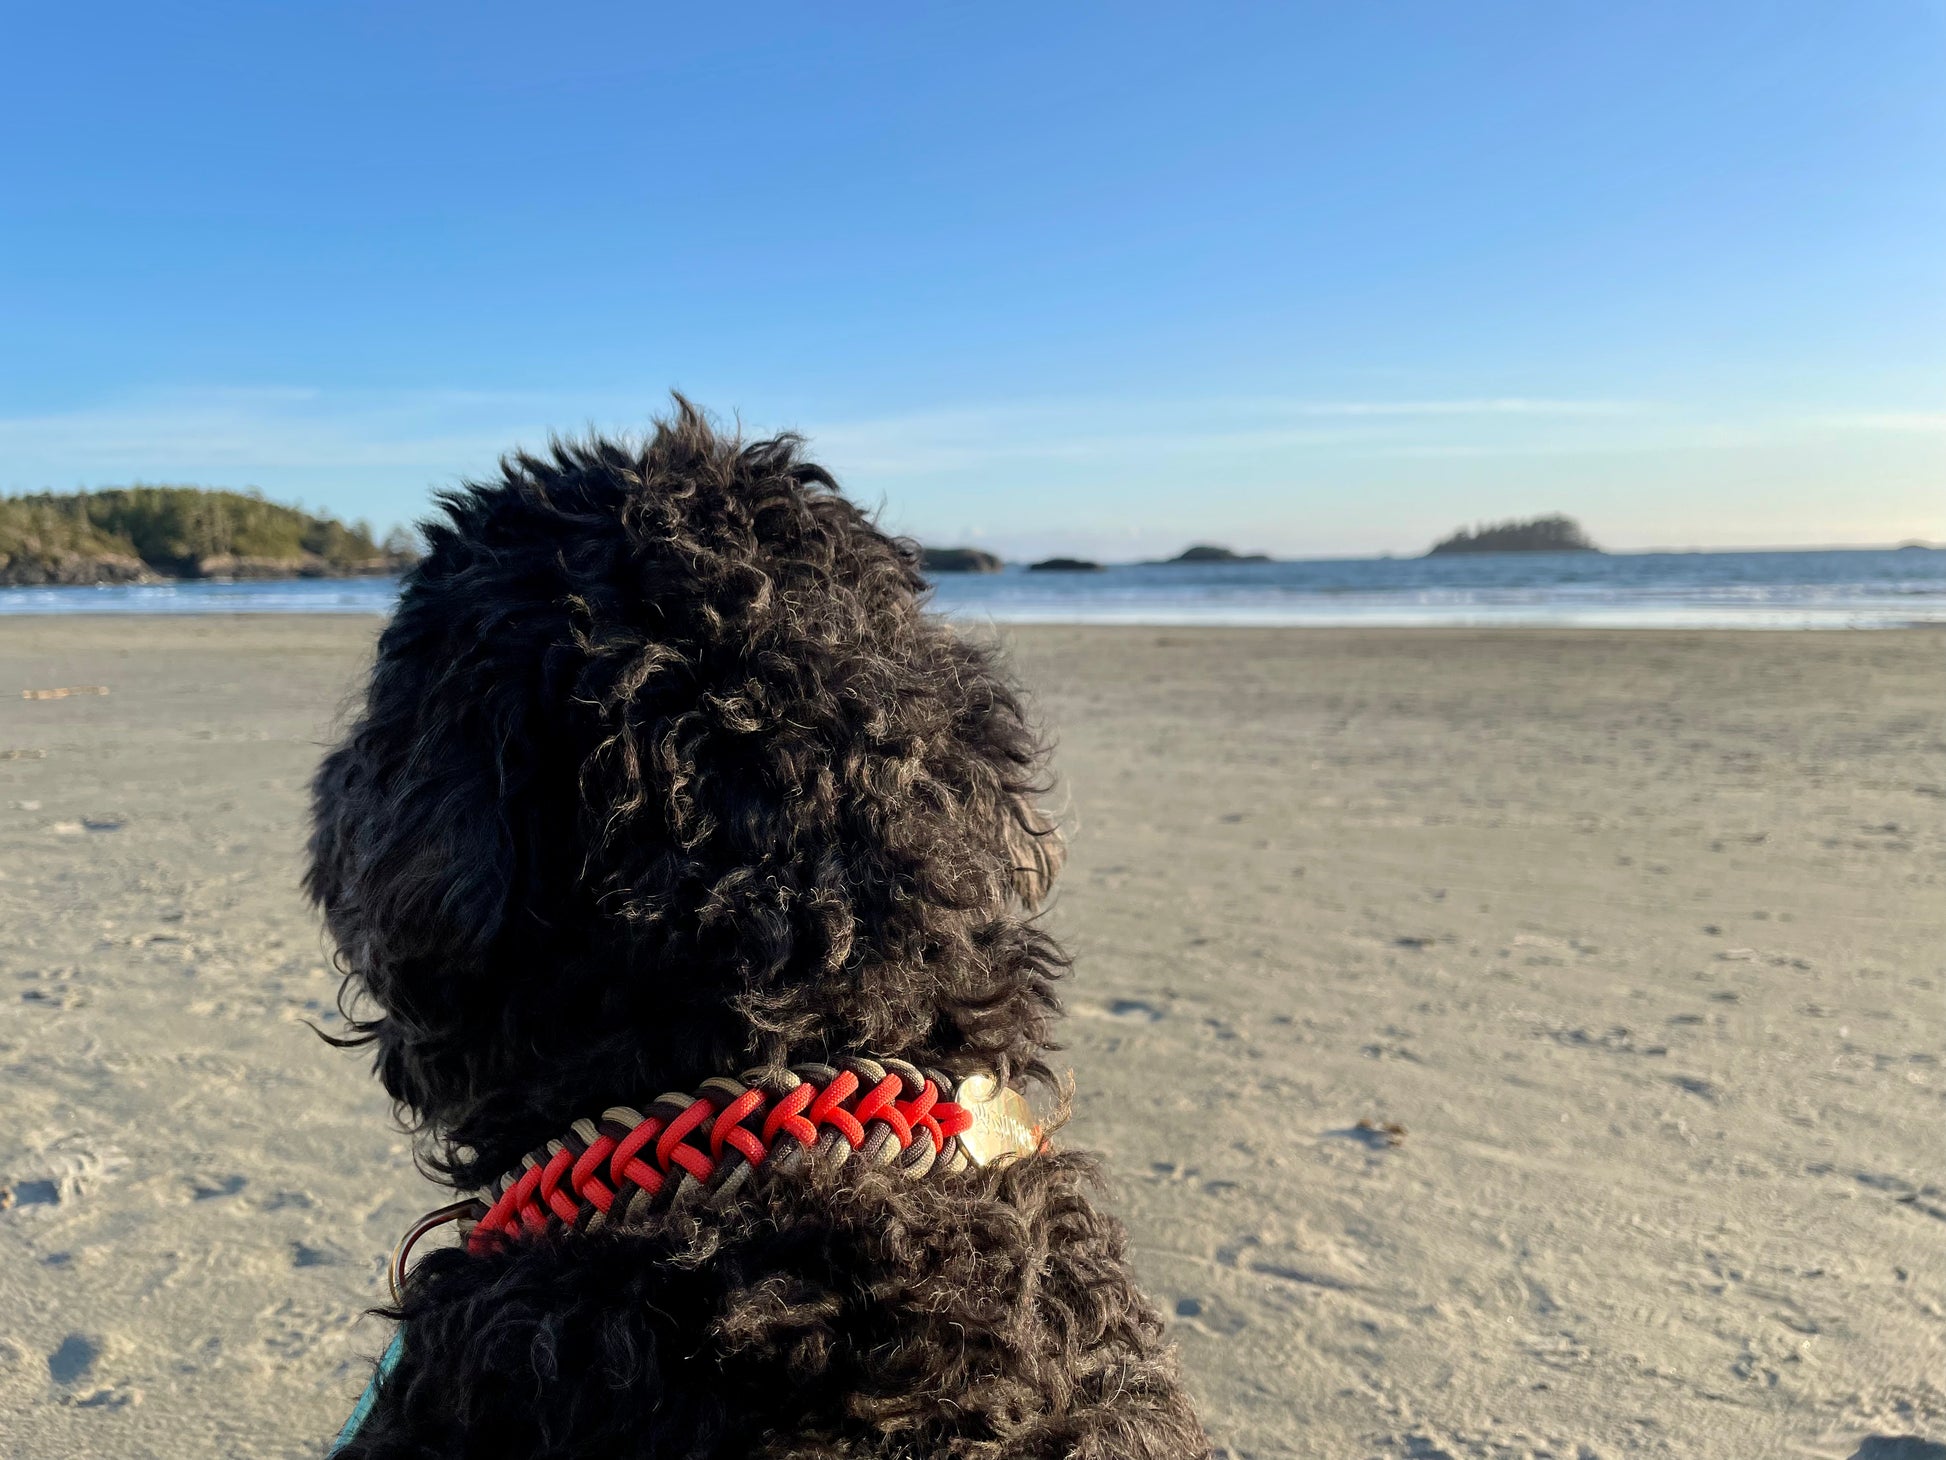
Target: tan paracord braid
631,1164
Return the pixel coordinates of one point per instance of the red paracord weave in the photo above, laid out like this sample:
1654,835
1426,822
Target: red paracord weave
630,1164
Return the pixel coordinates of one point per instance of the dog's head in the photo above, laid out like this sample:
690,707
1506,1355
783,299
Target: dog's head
664,771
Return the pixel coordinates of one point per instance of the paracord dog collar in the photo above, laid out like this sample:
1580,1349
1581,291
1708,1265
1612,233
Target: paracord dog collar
629,1165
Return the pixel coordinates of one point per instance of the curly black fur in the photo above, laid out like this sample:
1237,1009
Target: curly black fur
663,771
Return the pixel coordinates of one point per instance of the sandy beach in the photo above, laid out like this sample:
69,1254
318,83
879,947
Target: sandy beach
1635,937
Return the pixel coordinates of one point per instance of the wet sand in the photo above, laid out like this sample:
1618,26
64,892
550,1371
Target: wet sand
1637,936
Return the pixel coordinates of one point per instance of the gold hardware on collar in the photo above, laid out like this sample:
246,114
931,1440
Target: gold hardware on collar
1003,1127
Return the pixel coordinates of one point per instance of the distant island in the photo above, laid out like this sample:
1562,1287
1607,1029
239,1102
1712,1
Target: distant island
959,560
151,534
1209,552
1555,534
979,560
1064,565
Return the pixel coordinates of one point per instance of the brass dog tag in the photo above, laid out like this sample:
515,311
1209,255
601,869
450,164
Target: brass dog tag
1003,1121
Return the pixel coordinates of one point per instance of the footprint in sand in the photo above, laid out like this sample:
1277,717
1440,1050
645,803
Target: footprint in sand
1696,1085
209,1188
1898,1447
1211,1316
71,1171
69,1364
31,1194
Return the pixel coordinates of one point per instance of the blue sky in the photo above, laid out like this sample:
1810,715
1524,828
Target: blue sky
1305,278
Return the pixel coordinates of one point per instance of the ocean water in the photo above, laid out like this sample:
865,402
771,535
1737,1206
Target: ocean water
1856,589
1780,590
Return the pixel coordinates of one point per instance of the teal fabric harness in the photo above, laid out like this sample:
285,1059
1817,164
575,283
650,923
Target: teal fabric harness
386,1365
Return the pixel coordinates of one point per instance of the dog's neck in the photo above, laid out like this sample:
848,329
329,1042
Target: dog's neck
627,1166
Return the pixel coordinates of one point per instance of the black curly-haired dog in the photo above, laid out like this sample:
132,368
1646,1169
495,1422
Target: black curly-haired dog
665,773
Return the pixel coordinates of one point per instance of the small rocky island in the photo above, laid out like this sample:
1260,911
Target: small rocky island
153,534
1064,565
1555,534
1209,552
959,560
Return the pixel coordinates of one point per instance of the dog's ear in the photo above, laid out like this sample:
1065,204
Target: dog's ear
409,858
418,820
1038,849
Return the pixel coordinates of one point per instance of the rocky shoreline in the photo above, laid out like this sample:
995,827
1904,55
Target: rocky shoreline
97,570
124,535
115,569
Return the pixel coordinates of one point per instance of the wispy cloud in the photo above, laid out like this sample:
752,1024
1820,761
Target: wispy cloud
230,434
261,434
864,449
1059,473
1887,421
1499,406
220,432
1095,430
